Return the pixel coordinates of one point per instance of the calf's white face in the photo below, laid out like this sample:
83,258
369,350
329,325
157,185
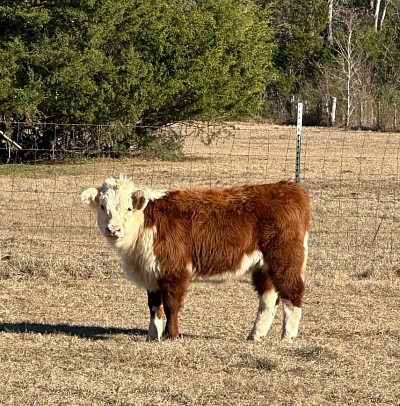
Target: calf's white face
119,208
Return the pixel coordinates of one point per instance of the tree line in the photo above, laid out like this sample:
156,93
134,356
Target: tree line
152,63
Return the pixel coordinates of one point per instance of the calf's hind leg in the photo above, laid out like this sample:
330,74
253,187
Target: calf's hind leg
293,297
268,303
291,319
291,291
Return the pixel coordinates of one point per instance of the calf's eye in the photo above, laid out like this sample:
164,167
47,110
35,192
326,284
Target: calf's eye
102,207
129,208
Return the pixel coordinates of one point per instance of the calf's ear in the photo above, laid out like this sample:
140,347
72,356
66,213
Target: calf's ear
139,200
90,197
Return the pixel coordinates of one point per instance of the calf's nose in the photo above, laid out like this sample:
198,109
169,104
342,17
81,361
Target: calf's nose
113,230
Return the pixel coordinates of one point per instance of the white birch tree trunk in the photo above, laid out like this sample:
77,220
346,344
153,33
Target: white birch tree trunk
348,68
376,15
330,16
383,14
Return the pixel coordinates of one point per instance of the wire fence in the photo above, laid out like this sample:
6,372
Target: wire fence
353,179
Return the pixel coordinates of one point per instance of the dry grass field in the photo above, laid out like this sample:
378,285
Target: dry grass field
72,329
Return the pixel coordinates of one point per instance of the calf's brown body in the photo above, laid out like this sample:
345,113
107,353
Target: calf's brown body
166,239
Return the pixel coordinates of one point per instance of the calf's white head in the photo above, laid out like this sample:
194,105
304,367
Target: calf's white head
119,206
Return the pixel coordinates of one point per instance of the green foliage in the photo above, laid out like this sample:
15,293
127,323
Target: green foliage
151,143
382,51
152,63
137,61
300,49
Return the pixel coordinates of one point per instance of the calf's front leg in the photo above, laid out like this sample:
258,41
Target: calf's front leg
154,300
173,292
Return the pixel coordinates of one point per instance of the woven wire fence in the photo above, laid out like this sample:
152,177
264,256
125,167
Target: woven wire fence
352,177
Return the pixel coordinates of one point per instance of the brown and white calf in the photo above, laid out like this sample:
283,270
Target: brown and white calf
167,238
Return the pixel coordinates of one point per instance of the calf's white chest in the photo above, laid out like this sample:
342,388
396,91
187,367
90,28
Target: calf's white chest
139,262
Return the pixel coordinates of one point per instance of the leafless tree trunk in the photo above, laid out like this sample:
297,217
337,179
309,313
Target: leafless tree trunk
330,16
376,14
349,63
348,69
383,14
379,7
333,111
378,116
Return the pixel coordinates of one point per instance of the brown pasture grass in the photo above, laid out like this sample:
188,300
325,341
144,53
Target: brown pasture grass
72,329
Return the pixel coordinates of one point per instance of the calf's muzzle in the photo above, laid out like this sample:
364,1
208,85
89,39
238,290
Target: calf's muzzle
113,231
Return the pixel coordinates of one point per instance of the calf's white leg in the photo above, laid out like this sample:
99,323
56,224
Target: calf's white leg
155,327
265,314
154,300
291,319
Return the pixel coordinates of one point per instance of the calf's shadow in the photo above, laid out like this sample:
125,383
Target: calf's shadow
85,332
